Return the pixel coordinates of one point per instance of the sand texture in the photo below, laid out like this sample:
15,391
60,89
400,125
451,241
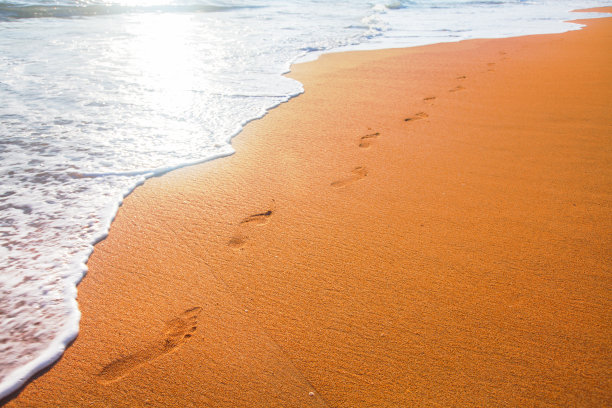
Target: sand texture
422,227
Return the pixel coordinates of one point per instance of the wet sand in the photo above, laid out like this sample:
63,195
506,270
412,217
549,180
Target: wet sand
422,227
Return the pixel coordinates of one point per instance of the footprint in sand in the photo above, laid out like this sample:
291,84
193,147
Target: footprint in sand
429,98
240,238
457,88
178,330
462,77
366,141
358,173
237,241
416,116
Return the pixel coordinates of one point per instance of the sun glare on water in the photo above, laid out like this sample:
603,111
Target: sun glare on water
161,51
161,57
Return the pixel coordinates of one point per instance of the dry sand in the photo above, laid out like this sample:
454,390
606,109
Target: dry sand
423,227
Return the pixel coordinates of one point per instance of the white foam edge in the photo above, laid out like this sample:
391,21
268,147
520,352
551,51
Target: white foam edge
20,376
569,25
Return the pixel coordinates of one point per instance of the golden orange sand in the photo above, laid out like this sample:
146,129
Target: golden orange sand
422,227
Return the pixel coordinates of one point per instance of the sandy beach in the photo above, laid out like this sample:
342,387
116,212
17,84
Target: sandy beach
422,227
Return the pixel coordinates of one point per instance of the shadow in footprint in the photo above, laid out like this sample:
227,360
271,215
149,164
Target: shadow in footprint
416,116
358,173
178,330
257,219
457,88
462,77
429,98
366,141
240,238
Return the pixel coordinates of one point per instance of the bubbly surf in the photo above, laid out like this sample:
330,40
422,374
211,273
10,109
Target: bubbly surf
97,96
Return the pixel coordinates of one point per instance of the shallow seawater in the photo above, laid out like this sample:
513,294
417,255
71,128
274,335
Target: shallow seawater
96,96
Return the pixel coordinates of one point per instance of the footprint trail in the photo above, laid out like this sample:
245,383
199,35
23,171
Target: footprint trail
367,140
240,238
457,88
357,174
178,330
416,116
257,219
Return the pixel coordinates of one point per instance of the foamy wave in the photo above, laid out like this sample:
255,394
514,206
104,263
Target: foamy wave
392,5
374,24
13,11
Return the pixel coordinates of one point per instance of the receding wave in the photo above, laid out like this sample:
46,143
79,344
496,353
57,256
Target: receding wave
12,11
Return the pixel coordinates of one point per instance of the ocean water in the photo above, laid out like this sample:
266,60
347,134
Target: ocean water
96,96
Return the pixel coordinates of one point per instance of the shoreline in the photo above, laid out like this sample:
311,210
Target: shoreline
199,250
58,346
